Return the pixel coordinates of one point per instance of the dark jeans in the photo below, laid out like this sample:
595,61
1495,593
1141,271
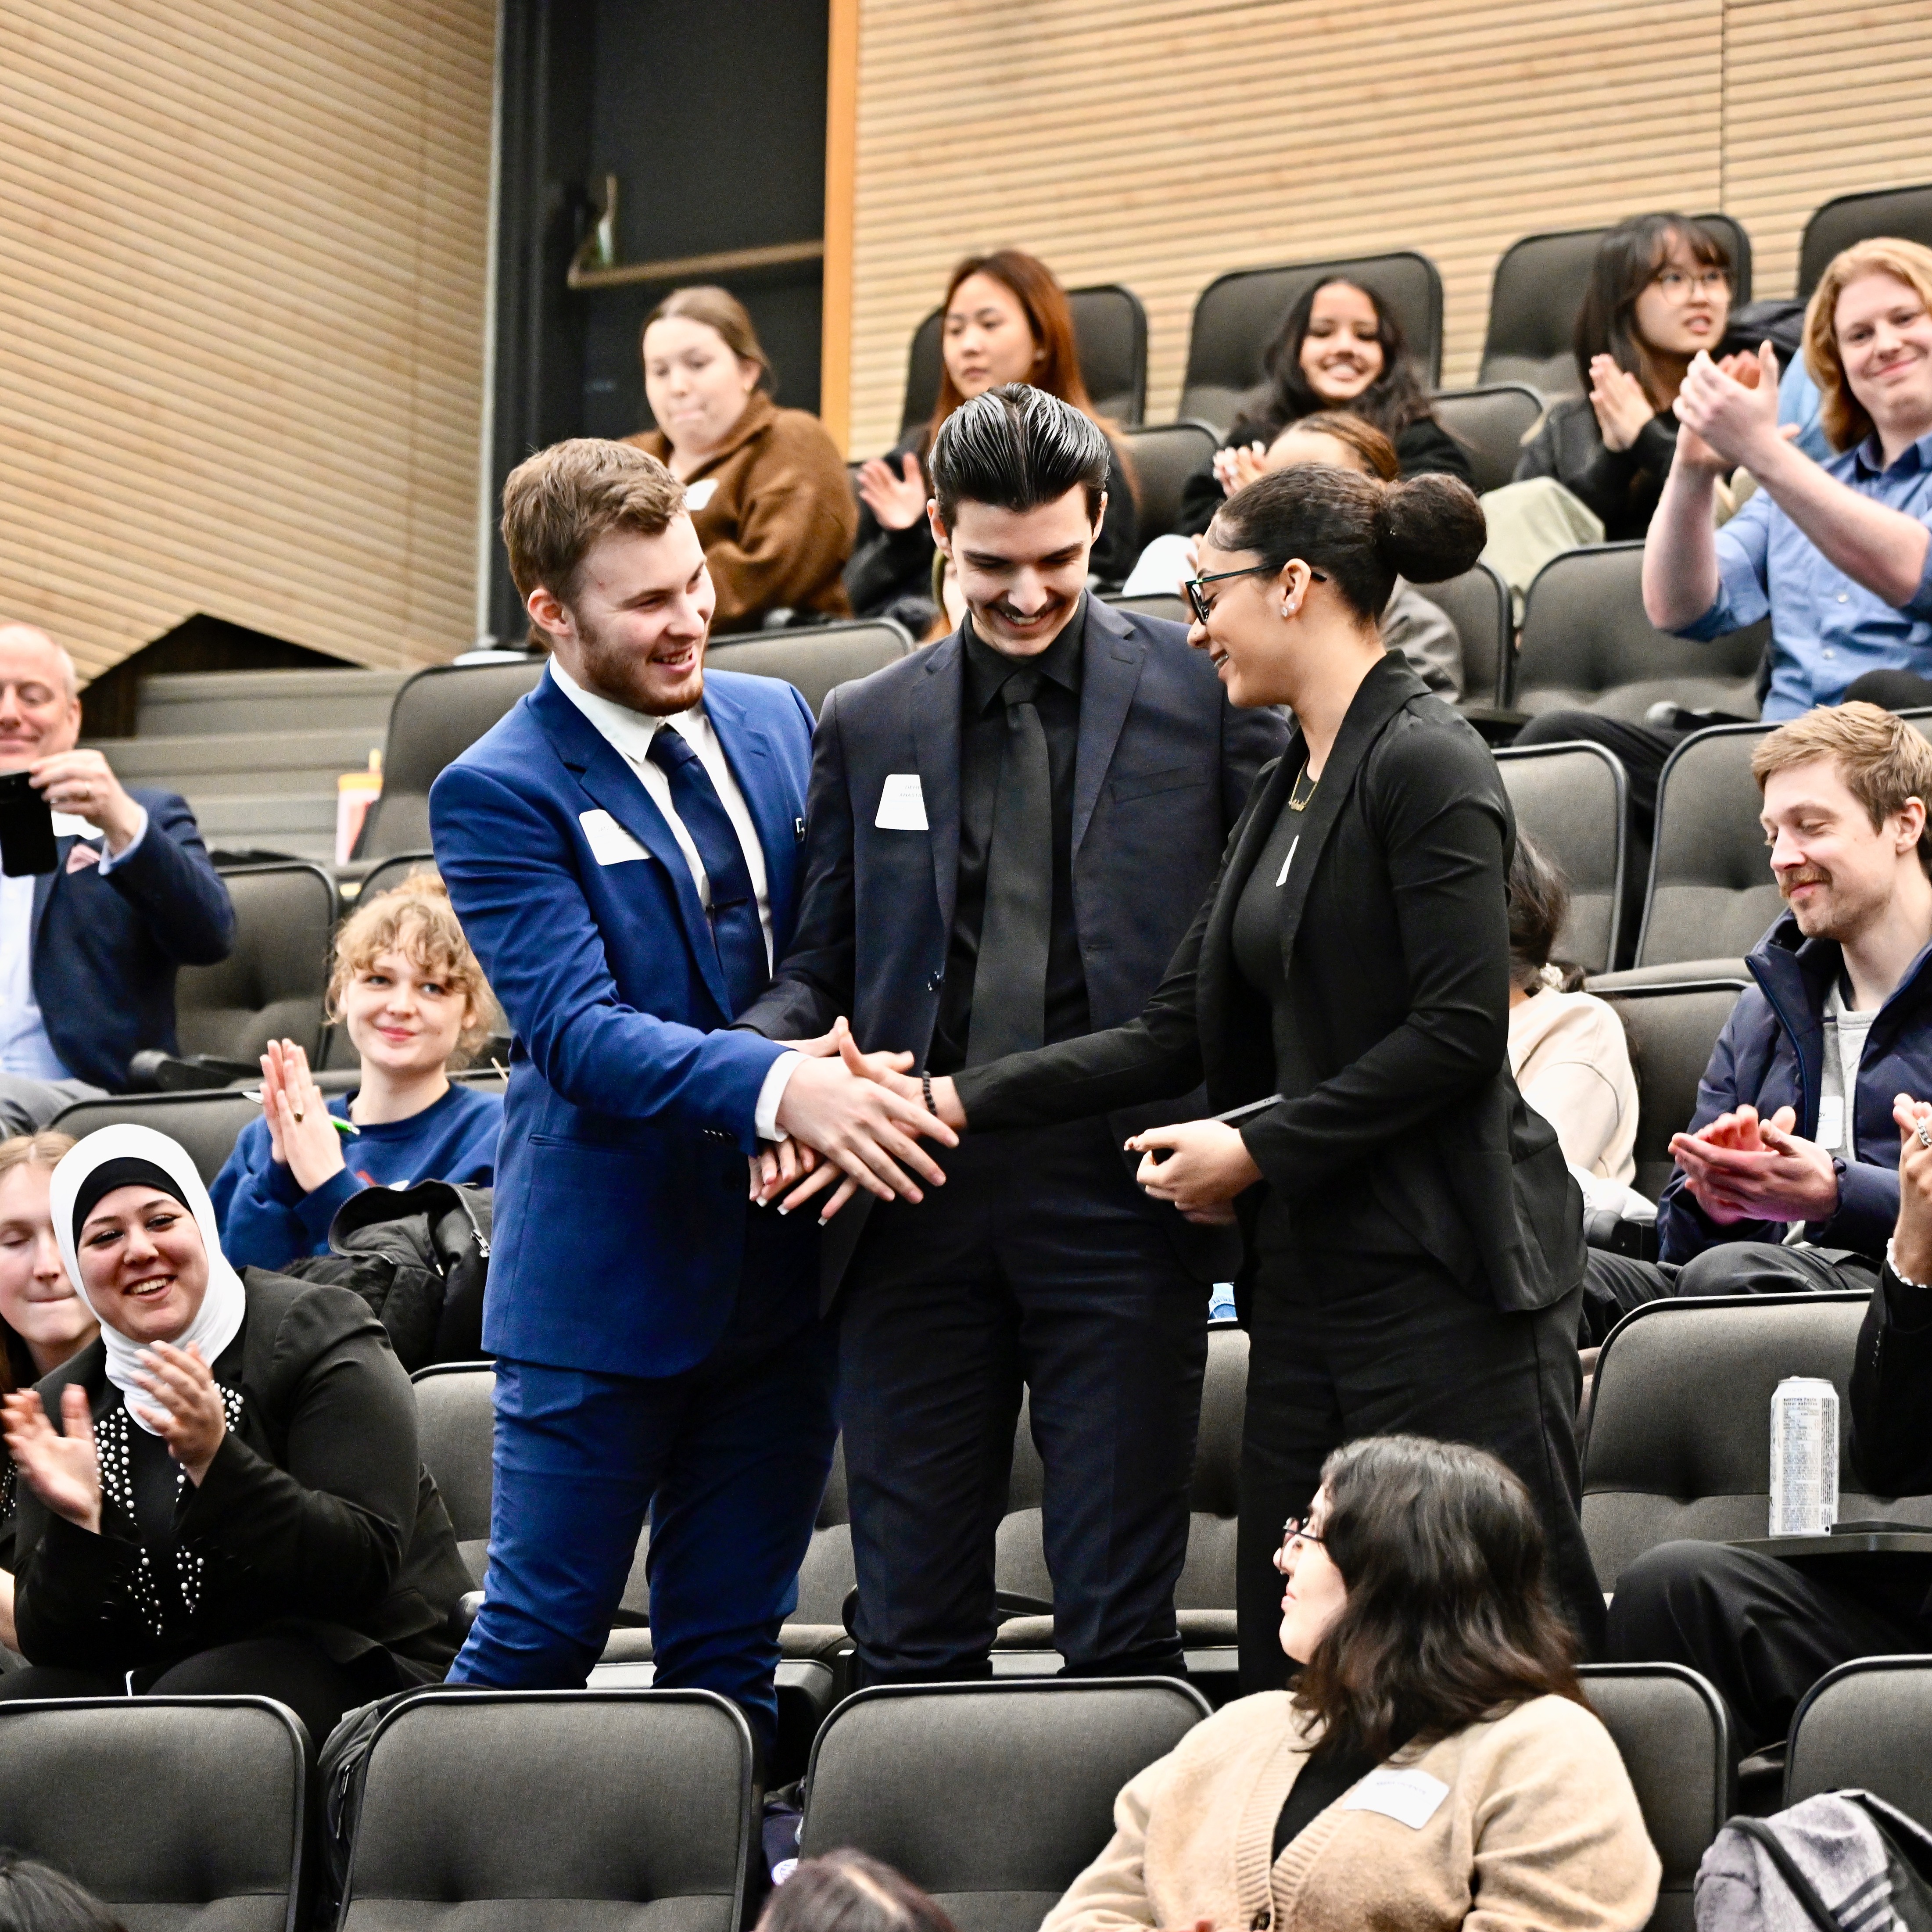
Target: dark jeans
1617,1283
1038,1264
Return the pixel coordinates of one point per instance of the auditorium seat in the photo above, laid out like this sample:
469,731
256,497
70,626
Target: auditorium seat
1571,801
392,872
270,986
555,1811
180,1814
1490,422
1109,329
205,1123
455,1427
992,1797
1163,458
1477,603
1905,212
1864,1725
1174,609
1239,315
1534,297
816,658
1671,1030
1586,643
1679,1438
1671,1730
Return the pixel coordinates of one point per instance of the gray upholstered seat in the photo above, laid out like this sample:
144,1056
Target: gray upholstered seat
1238,315
816,658
1163,457
993,1797
1905,212
1174,609
1670,1729
1477,603
1490,422
270,986
181,1814
1570,800
205,1123
554,1811
1865,1725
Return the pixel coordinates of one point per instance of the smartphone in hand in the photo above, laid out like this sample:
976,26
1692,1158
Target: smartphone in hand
26,828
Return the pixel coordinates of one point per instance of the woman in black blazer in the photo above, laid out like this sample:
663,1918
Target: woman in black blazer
234,1501
1413,1256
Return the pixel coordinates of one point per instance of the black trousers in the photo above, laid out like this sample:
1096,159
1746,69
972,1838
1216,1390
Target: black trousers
1039,1263
1618,1283
1350,1342
1762,1631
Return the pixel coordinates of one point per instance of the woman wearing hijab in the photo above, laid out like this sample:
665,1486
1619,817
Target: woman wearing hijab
233,1502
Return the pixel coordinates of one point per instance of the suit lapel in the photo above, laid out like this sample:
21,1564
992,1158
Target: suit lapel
935,701
748,751
1112,656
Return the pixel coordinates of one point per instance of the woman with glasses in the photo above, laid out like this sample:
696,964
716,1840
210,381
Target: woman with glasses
1435,1764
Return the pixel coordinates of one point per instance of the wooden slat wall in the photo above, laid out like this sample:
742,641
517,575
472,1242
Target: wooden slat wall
1160,143
242,249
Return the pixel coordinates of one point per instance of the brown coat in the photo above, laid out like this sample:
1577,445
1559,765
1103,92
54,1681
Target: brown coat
780,519
1538,1827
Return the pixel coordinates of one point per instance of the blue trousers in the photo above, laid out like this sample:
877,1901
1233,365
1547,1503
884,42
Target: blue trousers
730,1459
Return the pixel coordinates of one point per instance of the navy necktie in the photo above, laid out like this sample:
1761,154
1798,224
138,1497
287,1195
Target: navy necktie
735,929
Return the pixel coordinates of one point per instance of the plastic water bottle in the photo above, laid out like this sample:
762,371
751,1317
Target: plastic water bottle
1804,1457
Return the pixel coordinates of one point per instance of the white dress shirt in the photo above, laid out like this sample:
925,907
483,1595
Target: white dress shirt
629,733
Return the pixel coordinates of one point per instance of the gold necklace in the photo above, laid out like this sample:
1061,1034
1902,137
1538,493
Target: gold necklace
1298,800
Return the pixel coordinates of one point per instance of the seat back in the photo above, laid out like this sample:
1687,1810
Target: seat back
1670,1729
270,986
817,659
1587,642
1535,293
1679,1438
1490,422
1864,1725
455,1435
205,1124
1903,212
1477,603
1571,800
1239,315
561,1811
993,1797
1109,330
1671,1029
437,716
180,1814
1174,609
393,872
1163,457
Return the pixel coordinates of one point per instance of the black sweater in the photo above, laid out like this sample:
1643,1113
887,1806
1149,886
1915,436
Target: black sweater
316,1516
1621,485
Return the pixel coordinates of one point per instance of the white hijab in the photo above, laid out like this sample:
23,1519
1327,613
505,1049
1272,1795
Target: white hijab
219,1319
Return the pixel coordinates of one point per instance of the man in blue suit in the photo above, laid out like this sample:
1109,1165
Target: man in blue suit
1010,833
89,951
624,852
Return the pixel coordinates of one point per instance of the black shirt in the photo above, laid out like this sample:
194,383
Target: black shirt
1323,1780
982,735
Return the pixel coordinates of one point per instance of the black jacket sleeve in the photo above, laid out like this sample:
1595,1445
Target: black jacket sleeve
1118,543
1891,1391
171,883
1201,495
1425,448
888,564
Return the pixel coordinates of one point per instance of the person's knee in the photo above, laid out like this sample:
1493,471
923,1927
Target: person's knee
1663,1597
1890,690
1739,1268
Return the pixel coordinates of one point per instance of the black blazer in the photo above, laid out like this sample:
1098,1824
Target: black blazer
316,1515
1398,878
1164,766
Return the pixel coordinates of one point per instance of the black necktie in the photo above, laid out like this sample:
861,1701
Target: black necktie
735,929
1010,981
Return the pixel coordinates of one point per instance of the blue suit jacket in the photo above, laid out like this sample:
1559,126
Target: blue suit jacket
621,1217
107,944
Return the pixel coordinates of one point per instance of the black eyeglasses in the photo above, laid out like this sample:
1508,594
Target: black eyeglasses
1200,606
1296,1530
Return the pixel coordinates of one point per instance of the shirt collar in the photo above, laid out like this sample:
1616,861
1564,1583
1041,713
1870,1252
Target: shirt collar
1915,458
627,731
988,670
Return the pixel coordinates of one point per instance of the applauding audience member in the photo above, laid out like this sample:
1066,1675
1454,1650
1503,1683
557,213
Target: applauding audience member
233,1503
88,952
1006,320
413,997
766,487
1435,1764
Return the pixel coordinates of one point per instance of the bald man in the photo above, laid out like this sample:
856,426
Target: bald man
89,951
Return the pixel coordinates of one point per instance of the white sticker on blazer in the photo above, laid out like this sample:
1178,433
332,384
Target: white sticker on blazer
1411,1797
696,495
1281,877
901,804
1831,1133
610,844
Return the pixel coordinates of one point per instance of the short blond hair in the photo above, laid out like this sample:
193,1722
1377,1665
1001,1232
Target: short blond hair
1883,761
416,919
1844,417
43,1149
557,503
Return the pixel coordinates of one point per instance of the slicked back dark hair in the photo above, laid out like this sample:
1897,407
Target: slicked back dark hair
845,1891
1016,447
36,1897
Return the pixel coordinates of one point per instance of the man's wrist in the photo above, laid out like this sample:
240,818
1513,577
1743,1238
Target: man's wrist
771,1095
124,831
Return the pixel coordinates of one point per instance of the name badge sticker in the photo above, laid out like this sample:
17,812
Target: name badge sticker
1281,877
1831,1135
698,494
901,804
1410,1798
610,844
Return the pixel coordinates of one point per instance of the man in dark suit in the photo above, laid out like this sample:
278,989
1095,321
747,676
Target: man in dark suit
89,951
1009,835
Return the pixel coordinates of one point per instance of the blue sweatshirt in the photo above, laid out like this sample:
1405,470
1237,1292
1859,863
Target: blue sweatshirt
265,1218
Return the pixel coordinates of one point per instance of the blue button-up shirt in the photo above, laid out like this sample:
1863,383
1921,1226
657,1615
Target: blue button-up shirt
1825,629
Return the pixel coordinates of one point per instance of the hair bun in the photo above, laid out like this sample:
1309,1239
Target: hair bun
1429,528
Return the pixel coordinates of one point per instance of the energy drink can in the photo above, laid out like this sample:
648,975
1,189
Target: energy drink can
1804,1457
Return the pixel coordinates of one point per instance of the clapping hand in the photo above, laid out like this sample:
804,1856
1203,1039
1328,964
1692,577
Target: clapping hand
898,502
185,1410
1237,466
1729,410
1912,1241
1622,403
302,1135
1742,1167
63,1470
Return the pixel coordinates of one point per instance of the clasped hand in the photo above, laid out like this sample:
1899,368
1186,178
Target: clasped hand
1912,1241
1741,1168
1728,411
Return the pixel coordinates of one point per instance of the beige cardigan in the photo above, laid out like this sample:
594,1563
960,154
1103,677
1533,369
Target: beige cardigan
1540,1828
1572,1064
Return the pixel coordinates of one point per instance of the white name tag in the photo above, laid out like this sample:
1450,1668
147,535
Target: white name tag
901,804
696,495
1410,1798
1281,877
71,825
1831,1122
610,844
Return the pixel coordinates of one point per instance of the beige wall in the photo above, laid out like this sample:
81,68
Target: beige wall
1158,143
242,250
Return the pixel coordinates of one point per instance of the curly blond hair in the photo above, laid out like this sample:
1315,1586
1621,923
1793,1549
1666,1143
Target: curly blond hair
416,919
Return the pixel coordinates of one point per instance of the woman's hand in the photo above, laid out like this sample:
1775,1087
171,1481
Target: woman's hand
186,1410
1235,468
897,501
1911,1240
1622,405
302,1133
1209,1164
64,1470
